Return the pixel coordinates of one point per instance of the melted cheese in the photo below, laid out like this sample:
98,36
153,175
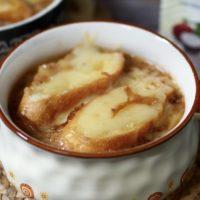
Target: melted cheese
104,123
84,65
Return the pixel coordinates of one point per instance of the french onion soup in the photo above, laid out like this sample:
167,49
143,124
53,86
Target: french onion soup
96,100
12,11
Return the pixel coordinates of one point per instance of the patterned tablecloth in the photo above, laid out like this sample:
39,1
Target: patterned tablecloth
191,189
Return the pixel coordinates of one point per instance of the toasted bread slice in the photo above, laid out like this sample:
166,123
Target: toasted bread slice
14,10
59,86
116,120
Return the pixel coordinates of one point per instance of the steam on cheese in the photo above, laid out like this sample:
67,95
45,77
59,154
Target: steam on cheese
58,86
118,119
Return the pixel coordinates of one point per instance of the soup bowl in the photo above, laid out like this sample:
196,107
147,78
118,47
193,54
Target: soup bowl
146,172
